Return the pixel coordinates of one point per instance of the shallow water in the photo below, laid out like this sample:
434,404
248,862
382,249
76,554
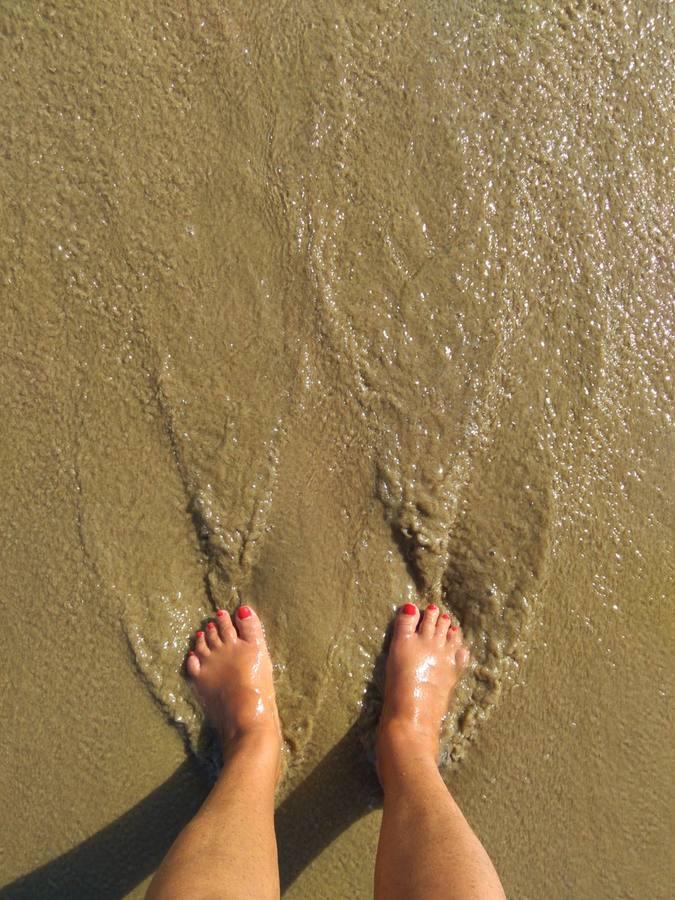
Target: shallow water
327,307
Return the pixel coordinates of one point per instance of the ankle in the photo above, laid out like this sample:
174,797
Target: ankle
403,748
260,744
400,735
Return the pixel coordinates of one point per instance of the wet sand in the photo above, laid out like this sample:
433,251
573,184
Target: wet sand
326,308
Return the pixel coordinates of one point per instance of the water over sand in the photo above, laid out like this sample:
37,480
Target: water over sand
326,307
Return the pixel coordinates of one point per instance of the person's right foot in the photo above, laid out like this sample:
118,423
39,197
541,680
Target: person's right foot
231,670
426,658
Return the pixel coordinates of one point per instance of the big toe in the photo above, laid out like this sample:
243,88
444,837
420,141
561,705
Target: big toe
249,625
406,620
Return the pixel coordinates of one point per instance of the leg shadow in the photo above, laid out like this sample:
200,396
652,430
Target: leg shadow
113,861
339,791
107,866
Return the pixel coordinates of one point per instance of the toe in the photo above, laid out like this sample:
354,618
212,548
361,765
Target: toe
226,629
442,624
461,657
428,626
249,625
454,638
192,664
406,620
201,649
212,637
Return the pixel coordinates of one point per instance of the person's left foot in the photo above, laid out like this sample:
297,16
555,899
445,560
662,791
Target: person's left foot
231,670
426,658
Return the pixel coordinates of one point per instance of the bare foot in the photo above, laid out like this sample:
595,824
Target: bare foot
231,670
426,658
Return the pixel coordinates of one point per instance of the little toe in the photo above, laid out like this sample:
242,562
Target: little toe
212,637
249,625
226,629
428,626
201,649
442,624
461,657
192,664
406,620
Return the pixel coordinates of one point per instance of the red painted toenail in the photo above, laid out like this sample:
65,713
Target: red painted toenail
432,606
409,609
220,613
243,612
454,628
211,625
445,616
200,634
192,653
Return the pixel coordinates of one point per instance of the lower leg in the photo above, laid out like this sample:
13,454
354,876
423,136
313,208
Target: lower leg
228,851
427,850
231,839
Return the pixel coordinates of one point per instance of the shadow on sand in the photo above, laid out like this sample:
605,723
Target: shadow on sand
107,866
113,861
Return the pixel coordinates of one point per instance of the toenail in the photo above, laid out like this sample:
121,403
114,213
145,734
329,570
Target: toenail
211,625
243,612
409,609
200,634
432,606
192,653
454,628
445,616
220,613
